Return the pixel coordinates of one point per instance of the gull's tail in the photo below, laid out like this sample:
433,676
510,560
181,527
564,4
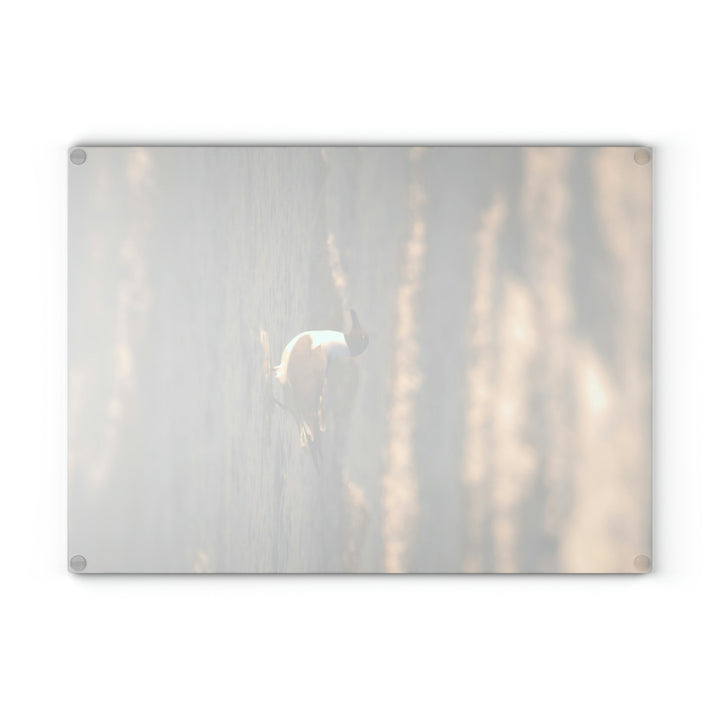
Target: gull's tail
280,372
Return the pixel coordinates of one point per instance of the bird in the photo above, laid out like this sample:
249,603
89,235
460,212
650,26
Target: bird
303,370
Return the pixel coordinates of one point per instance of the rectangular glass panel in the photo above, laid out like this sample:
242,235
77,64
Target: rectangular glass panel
485,408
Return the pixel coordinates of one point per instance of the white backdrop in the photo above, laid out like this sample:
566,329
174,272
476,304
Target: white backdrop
560,647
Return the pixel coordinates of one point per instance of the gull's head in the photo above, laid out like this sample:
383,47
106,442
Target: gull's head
357,339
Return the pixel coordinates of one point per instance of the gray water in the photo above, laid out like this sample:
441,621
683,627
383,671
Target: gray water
498,421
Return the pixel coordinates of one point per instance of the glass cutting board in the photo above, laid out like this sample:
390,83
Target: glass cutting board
360,359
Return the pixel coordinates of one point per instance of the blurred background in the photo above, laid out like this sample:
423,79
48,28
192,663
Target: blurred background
499,420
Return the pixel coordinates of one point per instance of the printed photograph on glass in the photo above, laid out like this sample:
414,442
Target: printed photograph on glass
360,359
